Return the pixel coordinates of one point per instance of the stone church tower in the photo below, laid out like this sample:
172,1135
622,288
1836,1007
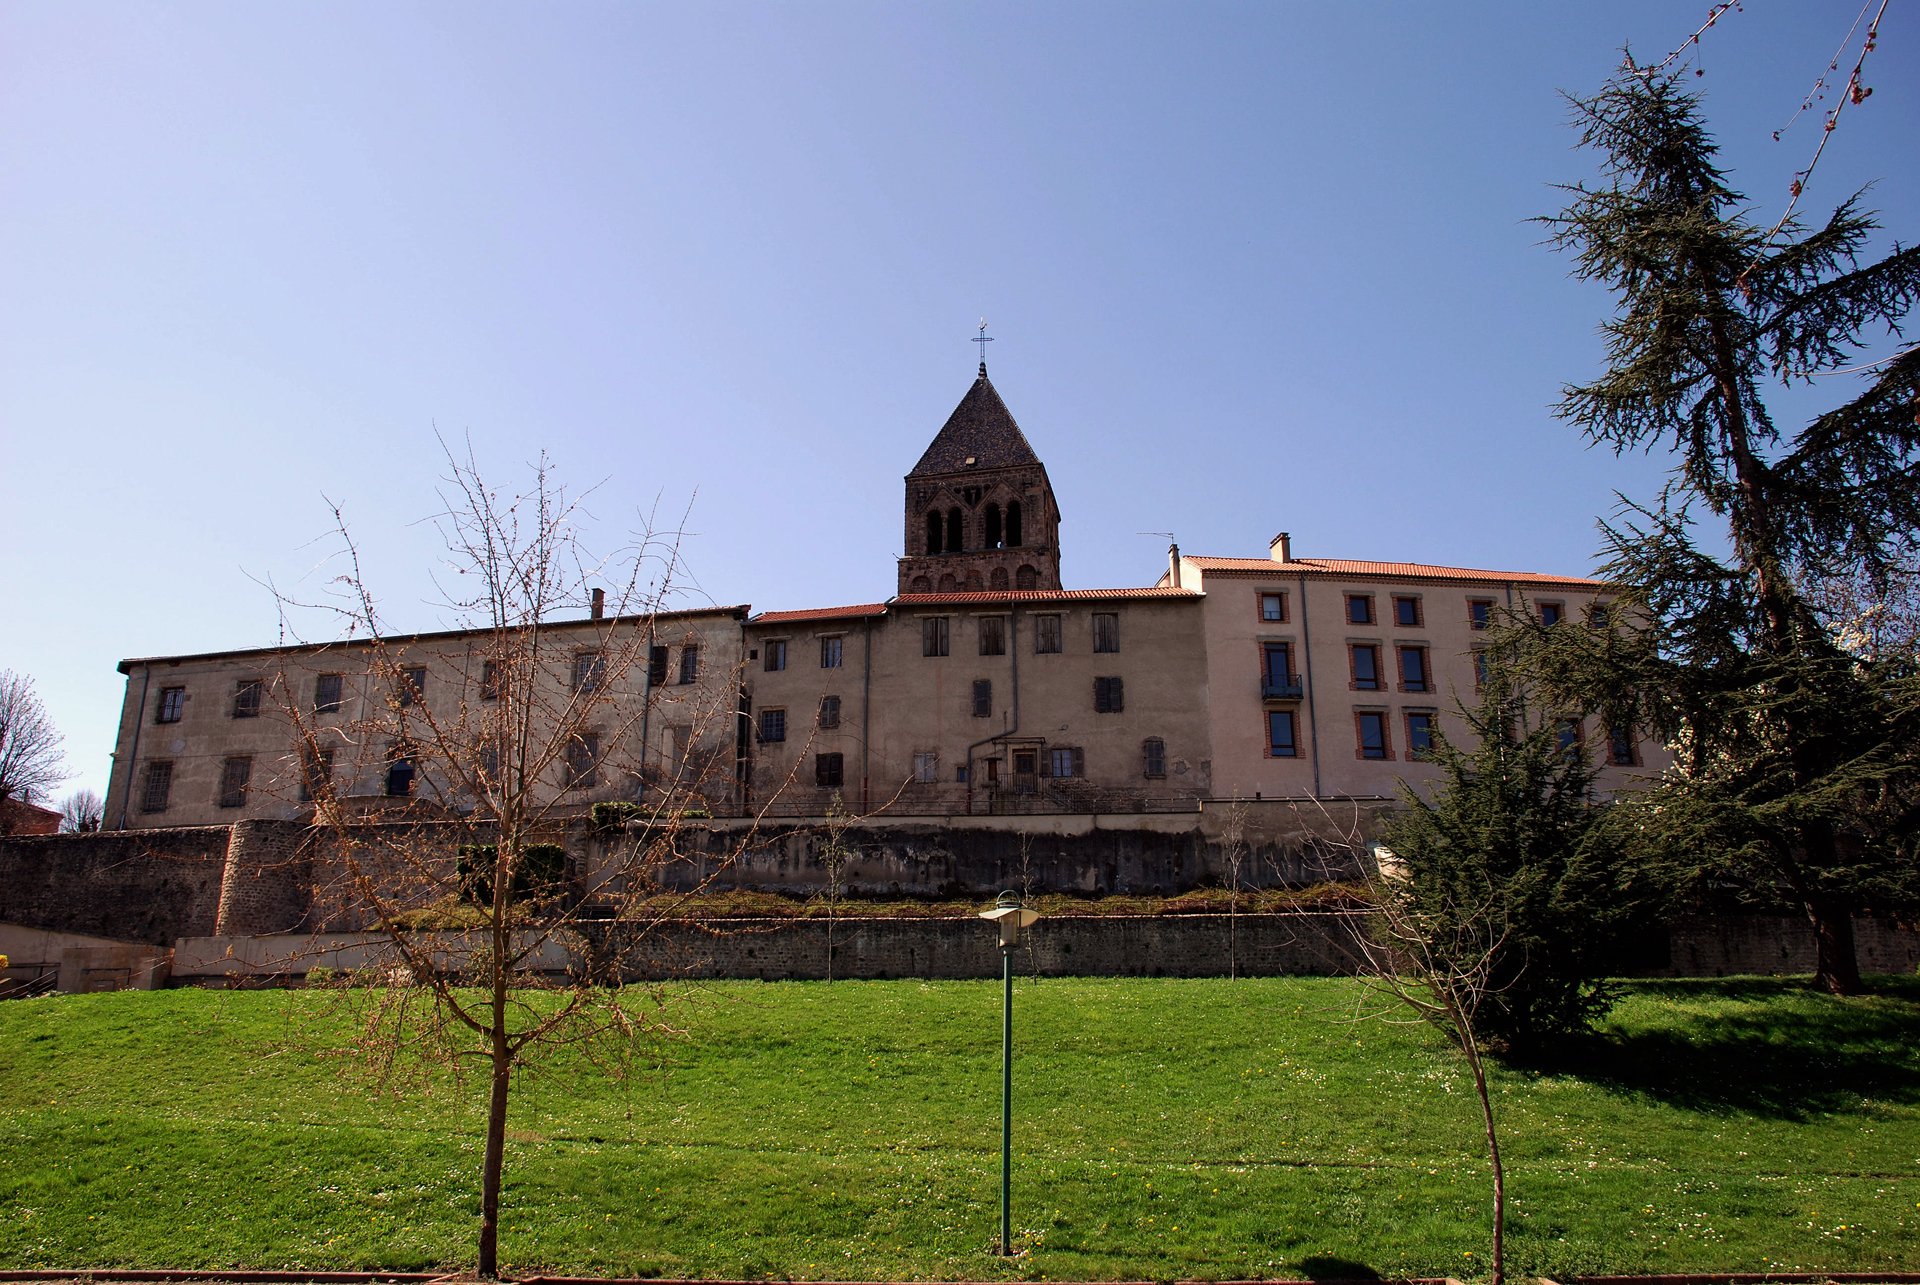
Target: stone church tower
980,510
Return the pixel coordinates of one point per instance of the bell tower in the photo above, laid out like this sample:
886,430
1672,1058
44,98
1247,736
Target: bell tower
980,511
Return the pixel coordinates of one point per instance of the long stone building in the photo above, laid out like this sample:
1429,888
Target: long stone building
982,686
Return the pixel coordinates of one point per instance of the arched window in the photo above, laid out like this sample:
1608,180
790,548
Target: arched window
1013,524
933,530
999,578
948,583
920,584
975,582
993,526
1026,578
954,528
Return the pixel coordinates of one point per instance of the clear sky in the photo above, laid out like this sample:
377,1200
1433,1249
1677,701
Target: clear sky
1249,267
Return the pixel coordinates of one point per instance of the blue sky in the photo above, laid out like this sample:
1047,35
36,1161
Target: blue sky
1249,267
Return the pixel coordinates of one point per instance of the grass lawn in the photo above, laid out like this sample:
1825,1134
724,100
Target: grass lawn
1163,1129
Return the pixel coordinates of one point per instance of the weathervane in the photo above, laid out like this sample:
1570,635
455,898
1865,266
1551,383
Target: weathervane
983,339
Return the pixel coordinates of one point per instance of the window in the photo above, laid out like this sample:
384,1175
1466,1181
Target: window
1273,607
413,686
1365,660
1046,635
1280,734
1568,730
1420,734
829,770
829,711
1479,612
933,636
689,665
1026,577
316,771
773,725
1413,670
1371,726
487,760
1552,613
1106,631
159,785
774,658
1359,608
583,761
1621,749
1600,615
982,698
326,694
246,698
1153,758
1482,667
1109,695
1406,611
234,773
399,772
830,652
1066,761
173,703
1276,670
926,767
589,672
993,635
656,666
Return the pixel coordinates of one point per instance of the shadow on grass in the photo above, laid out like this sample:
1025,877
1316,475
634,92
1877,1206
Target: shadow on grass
1769,1046
1319,1268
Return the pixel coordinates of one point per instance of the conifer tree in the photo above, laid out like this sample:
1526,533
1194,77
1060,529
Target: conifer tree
1509,877
1795,769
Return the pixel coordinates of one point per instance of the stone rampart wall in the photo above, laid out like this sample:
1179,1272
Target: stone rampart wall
140,886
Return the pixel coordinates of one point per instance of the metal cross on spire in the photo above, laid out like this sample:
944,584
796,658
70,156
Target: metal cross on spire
983,339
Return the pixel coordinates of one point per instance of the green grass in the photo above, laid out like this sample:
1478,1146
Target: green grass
1163,1129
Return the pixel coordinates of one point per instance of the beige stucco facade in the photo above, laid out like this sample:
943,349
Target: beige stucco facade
232,736
1276,677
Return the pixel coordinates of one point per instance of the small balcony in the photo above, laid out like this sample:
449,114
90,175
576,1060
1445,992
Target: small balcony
1274,687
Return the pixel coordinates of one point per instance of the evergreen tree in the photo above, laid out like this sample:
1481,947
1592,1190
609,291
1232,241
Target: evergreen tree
1510,868
1795,770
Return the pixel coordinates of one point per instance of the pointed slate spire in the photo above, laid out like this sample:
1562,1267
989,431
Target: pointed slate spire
980,434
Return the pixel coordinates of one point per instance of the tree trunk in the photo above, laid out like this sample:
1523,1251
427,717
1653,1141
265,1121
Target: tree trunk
496,1153
1493,1155
1837,970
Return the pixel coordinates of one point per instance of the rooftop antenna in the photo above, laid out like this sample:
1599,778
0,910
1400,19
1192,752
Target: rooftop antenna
983,339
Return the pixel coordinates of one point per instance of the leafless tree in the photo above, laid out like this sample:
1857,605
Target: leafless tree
834,855
446,829
81,812
1439,967
31,763
1233,852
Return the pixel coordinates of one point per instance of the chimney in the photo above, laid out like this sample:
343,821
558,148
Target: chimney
599,609
1280,548
1173,565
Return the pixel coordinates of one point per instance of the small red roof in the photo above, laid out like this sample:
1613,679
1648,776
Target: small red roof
858,611
1388,570
1036,595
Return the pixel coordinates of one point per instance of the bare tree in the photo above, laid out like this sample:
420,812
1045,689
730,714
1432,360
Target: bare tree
1234,850
499,946
31,763
834,855
81,812
1440,968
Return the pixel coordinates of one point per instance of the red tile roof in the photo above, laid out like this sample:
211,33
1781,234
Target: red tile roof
855,612
1387,570
1036,595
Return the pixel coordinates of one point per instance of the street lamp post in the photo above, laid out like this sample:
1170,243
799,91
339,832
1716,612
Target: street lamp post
1011,918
